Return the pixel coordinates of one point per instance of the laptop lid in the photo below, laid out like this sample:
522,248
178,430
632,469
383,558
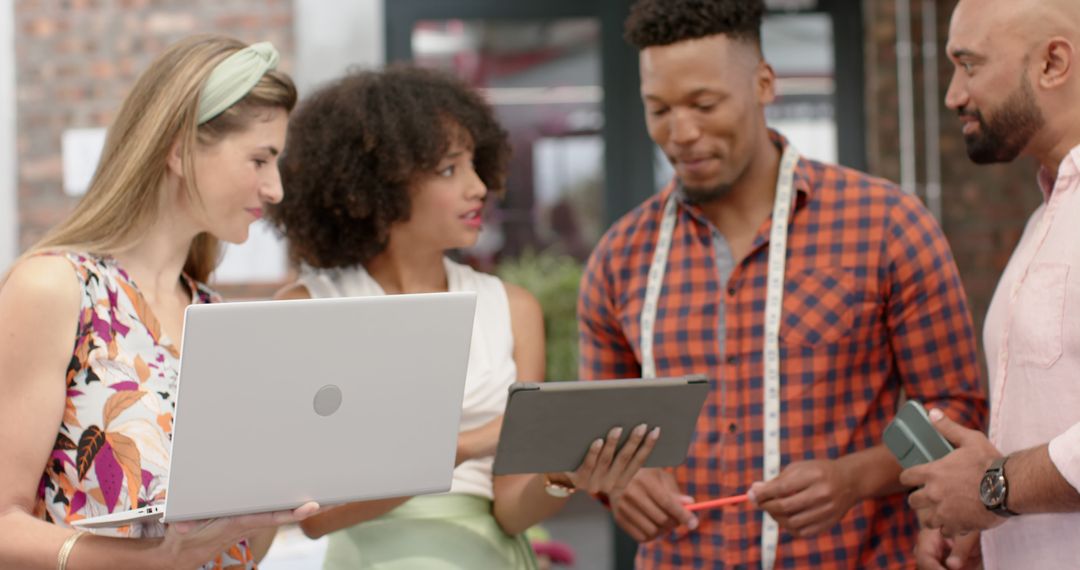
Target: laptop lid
328,400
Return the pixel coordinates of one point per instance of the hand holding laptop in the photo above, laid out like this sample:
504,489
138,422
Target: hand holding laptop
308,350
192,543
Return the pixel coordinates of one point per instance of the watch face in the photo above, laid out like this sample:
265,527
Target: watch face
558,491
992,489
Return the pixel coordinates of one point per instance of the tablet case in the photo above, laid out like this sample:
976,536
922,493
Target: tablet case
549,426
912,438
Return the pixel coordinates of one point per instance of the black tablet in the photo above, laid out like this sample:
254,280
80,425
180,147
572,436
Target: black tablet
548,427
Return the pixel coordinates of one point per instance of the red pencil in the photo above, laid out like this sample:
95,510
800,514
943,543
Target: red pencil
715,503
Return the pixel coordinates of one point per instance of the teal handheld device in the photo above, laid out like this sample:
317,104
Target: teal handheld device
911,436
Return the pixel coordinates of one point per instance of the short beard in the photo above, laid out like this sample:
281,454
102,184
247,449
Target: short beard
703,195
1009,131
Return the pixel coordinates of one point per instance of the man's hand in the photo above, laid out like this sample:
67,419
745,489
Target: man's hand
809,496
949,497
651,505
935,552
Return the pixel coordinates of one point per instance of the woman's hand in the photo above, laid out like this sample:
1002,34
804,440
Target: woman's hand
191,544
604,471
522,501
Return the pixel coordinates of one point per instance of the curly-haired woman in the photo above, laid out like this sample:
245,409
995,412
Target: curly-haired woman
386,172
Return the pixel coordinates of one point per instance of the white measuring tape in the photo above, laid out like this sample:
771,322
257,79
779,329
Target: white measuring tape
774,299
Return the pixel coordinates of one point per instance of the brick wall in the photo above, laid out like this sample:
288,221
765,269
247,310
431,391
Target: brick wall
984,207
76,59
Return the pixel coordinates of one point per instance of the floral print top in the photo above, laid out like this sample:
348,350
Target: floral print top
112,448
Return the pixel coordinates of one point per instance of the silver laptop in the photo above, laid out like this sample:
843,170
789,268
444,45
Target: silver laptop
328,400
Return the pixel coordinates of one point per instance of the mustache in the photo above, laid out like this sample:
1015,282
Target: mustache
969,114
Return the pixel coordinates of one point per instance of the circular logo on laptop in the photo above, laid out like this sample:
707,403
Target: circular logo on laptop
327,400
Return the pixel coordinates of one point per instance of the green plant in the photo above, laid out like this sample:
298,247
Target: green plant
553,278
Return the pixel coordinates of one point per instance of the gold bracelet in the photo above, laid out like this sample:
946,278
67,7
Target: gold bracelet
65,550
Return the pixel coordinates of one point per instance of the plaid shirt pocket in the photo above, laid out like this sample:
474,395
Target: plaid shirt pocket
818,306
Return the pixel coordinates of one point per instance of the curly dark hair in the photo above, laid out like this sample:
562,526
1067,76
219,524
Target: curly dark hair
665,22
356,145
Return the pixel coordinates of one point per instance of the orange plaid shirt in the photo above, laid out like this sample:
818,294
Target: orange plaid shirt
872,303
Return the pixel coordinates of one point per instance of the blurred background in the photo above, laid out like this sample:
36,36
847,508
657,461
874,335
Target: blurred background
861,83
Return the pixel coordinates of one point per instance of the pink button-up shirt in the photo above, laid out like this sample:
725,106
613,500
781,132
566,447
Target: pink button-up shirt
1032,338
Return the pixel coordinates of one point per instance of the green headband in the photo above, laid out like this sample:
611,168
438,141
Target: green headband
234,78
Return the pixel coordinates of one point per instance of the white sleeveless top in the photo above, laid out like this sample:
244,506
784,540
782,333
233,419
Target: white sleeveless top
491,357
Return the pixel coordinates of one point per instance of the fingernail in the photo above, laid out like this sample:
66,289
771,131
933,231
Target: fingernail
615,432
655,433
640,430
752,496
597,443
936,414
693,524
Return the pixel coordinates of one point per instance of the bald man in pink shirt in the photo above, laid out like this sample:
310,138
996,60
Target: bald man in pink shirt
1016,87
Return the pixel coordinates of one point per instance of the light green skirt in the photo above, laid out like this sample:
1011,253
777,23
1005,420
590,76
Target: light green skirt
436,532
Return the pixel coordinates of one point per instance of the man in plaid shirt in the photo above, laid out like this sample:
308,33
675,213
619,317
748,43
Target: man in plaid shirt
872,305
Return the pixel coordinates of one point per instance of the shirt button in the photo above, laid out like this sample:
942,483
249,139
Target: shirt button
732,359
731,291
732,428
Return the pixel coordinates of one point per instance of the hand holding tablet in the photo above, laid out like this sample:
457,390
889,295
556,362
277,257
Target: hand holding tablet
607,467
549,427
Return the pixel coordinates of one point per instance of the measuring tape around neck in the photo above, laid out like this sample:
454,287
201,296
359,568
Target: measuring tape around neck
774,298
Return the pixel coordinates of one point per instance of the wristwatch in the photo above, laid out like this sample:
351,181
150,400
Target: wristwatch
560,489
994,488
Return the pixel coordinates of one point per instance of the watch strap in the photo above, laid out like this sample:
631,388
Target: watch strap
997,469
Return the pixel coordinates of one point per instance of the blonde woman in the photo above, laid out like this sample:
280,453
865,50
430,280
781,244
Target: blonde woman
387,171
91,317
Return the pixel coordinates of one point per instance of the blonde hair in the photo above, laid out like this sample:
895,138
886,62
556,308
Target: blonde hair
161,110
